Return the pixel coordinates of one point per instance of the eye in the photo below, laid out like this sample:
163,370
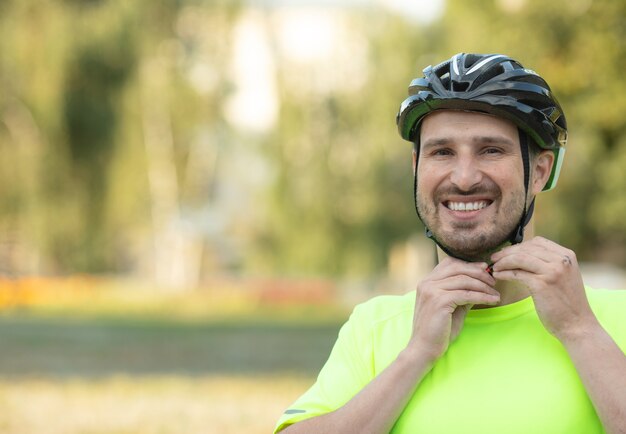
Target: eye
441,152
493,151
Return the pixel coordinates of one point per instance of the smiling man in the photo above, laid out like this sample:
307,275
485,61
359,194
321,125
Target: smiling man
502,336
471,188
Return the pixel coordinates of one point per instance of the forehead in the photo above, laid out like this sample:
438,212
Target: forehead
456,125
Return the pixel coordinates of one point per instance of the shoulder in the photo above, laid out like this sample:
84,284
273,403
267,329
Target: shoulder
609,306
607,301
383,309
606,298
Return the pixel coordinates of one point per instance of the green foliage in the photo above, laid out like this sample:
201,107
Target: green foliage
342,194
80,80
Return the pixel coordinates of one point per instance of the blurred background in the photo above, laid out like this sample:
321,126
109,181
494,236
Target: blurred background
194,193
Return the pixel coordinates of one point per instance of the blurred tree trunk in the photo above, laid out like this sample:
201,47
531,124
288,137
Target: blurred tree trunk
21,249
174,251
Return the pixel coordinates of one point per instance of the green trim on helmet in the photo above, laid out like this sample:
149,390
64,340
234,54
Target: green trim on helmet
559,155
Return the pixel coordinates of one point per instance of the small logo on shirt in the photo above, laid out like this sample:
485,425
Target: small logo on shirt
294,411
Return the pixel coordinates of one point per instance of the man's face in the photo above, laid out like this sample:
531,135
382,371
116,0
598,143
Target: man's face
470,181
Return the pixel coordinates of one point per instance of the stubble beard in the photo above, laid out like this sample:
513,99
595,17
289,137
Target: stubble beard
465,239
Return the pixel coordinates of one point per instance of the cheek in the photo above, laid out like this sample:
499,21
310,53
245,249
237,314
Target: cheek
428,178
508,178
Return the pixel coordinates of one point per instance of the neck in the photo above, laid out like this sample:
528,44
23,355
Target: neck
510,290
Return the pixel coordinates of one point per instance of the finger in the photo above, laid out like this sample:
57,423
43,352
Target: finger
541,247
456,283
451,267
525,277
522,261
537,251
480,275
458,298
560,256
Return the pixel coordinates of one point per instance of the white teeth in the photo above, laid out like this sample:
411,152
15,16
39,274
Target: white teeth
466,206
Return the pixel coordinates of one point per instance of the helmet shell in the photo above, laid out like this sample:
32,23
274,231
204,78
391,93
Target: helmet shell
493,84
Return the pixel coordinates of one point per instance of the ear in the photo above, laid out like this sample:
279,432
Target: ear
414,159
541,170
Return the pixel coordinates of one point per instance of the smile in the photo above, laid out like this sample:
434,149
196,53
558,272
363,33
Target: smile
467,206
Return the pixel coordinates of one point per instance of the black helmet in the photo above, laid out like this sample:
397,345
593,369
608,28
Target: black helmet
488,83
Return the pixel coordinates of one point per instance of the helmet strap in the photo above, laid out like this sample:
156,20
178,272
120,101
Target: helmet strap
517,236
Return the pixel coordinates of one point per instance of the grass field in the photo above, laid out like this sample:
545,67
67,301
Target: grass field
34,346
222,404
96,363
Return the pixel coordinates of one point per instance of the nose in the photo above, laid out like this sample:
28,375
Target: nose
466,173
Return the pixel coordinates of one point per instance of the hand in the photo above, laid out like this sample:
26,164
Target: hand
443,299
551,274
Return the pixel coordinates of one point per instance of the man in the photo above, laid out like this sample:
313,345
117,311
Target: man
501,337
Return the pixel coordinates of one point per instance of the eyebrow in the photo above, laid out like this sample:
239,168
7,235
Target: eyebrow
443,141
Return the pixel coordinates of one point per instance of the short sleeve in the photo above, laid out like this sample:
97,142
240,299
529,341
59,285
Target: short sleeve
347,370
609,306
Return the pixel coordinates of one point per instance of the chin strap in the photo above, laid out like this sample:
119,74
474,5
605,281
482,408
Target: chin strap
517,235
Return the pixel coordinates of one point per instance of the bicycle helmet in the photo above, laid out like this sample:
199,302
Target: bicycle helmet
493,84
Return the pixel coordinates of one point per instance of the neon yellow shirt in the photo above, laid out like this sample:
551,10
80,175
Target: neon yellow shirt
504,374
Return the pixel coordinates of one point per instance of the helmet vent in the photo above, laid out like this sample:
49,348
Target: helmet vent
470,59
445,80
459,86
488,75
